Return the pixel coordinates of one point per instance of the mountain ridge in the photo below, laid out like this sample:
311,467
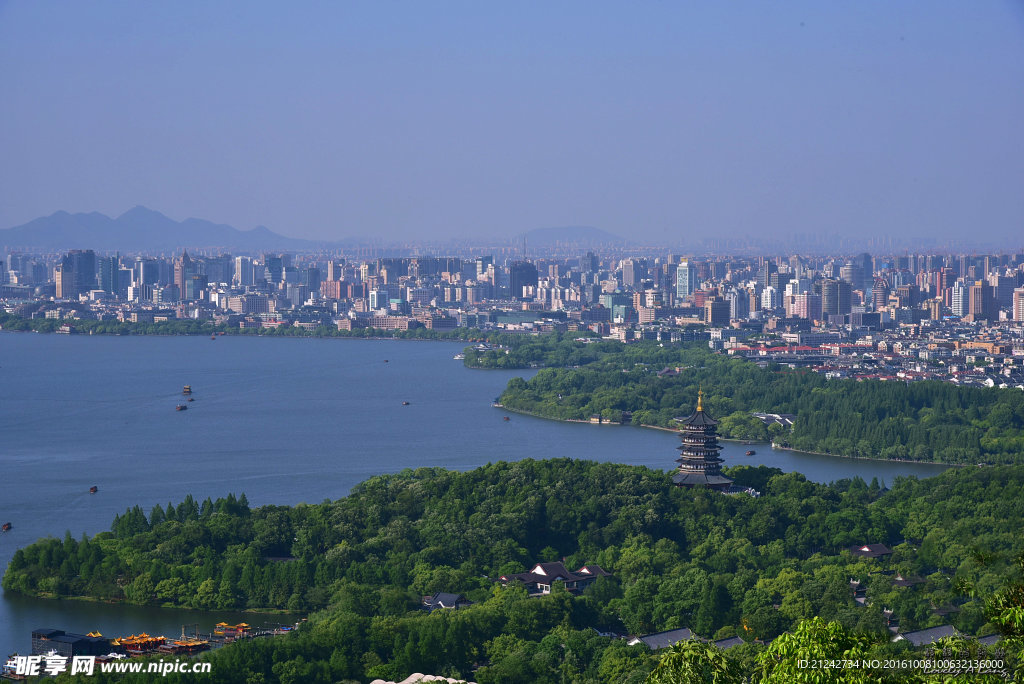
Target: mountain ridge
140,229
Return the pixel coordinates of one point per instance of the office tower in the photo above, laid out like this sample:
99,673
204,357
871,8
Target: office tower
716,312
109,273
77,273
630,273
867,271
958,299
981,305
1018,304
522,274
739,304
852,273
274,266
807,305
244,276
770,298
835,297
686,279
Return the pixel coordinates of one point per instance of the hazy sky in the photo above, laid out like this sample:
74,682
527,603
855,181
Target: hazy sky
653,120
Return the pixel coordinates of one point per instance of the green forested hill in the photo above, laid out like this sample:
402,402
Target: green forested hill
927,421
720,565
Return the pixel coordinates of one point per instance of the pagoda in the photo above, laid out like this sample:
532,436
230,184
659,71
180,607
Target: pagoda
699,463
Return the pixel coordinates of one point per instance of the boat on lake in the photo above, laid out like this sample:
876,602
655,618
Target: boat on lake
181,407
750,452
6,527
93,489
187,389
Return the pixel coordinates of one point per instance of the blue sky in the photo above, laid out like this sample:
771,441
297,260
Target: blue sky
432,120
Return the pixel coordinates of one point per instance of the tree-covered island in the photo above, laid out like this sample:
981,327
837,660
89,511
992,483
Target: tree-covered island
720,565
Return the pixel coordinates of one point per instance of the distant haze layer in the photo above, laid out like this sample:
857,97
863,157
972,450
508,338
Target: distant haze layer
665,123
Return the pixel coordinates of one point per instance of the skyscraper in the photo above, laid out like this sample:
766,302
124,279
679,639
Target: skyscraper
686,279
835,297
109,272
77,273
521,274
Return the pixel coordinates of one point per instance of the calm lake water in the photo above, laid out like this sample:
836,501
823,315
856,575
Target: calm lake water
283,420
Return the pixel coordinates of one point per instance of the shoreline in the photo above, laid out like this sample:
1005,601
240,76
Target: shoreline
732,439
161,606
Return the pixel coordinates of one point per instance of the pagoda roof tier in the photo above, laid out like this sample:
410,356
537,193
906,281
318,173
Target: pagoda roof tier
698,419
699,479
708,461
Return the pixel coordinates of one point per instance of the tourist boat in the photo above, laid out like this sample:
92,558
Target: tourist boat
181,407
93,489
6,527
187,389
750,452
459,357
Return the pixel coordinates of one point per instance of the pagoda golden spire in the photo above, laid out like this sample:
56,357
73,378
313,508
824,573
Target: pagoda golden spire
700,399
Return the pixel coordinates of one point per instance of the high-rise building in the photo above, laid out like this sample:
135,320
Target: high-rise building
630,273
243,272
739,304
147,271
853,274
835,298
522,274
807,305
716,312
183,270
1018,304
981,305
77,273
686,279
274,266
109,274
958,299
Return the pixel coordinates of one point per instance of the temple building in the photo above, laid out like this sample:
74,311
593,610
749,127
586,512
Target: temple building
699,463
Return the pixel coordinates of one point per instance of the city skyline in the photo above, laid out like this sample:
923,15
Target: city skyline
661,124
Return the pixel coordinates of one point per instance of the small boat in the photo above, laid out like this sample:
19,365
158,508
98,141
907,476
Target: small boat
187,389
181,407
6,527
385,360
405,403
213,337
191,398
750,452
93,489
506,418
459,357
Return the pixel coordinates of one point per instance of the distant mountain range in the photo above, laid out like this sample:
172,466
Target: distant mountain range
145,230
140,230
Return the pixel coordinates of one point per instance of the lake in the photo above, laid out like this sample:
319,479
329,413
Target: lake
282,420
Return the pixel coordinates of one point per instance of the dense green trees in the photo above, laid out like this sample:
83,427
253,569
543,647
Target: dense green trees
930,421
717,564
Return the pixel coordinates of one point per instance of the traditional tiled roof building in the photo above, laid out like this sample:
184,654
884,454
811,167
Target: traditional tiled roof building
699,463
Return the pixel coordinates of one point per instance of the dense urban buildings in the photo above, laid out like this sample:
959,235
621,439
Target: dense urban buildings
958,317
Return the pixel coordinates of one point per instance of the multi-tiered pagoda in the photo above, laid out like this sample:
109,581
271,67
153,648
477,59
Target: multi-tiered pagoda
699,463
